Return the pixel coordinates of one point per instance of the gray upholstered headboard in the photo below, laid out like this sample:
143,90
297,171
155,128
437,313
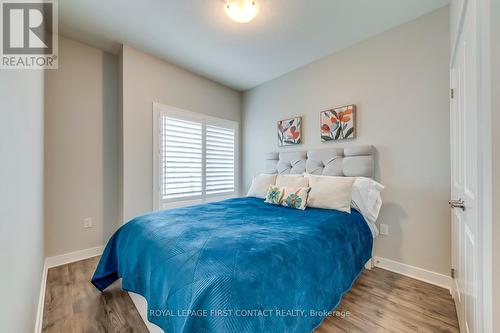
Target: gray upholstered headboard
352,161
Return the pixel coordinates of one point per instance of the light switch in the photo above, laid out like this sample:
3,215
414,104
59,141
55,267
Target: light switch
87,222
384,229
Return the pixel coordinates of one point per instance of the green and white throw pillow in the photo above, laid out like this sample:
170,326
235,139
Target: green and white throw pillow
274,195
292,197
295,197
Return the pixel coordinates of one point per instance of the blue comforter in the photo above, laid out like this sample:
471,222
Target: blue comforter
238,265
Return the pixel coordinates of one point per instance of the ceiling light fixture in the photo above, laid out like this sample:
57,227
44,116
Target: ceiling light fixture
241,11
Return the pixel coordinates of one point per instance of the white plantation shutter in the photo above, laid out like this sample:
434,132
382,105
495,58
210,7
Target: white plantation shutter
181,158
195,157
220,150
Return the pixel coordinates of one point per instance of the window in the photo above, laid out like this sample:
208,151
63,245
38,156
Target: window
195,157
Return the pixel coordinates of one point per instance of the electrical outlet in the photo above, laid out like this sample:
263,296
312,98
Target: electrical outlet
87,222
384,229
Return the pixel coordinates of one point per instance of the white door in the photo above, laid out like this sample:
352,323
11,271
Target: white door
464,164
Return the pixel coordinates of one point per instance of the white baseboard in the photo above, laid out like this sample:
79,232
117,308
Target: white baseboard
67,258
418,273
41,300
58,261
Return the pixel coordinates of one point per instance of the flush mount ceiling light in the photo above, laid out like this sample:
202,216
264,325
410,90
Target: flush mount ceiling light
241,11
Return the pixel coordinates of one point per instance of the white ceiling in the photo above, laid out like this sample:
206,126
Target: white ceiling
197,34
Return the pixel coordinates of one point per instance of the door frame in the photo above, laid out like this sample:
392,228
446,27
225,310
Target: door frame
484,146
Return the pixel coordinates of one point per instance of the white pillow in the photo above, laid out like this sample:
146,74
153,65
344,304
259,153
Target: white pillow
292,181
260,184
366,197
330,192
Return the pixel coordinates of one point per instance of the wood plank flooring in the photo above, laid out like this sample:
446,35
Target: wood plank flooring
74,305
380,301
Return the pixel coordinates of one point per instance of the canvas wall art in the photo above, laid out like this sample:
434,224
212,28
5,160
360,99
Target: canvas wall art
290,131
338,123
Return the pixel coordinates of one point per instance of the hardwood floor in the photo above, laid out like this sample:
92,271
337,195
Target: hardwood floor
383,301
380,301
74,305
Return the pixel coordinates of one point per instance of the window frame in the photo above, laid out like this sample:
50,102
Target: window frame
160,110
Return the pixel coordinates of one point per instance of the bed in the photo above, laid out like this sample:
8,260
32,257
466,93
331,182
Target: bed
242,265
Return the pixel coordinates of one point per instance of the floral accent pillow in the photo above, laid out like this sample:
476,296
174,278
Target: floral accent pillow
295,197
292,197
274,195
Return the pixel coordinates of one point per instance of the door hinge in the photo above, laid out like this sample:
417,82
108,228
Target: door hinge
453,273
452,93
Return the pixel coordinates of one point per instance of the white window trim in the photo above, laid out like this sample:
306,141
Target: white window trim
160,110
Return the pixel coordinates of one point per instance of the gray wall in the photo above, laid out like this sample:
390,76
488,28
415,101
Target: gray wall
110,144
21,197
147,79
399,82
495,91
81,143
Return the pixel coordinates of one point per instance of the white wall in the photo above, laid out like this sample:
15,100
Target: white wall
399,82
81,143
21,197
147,79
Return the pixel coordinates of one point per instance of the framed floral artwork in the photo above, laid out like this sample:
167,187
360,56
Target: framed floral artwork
290,131
338,123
